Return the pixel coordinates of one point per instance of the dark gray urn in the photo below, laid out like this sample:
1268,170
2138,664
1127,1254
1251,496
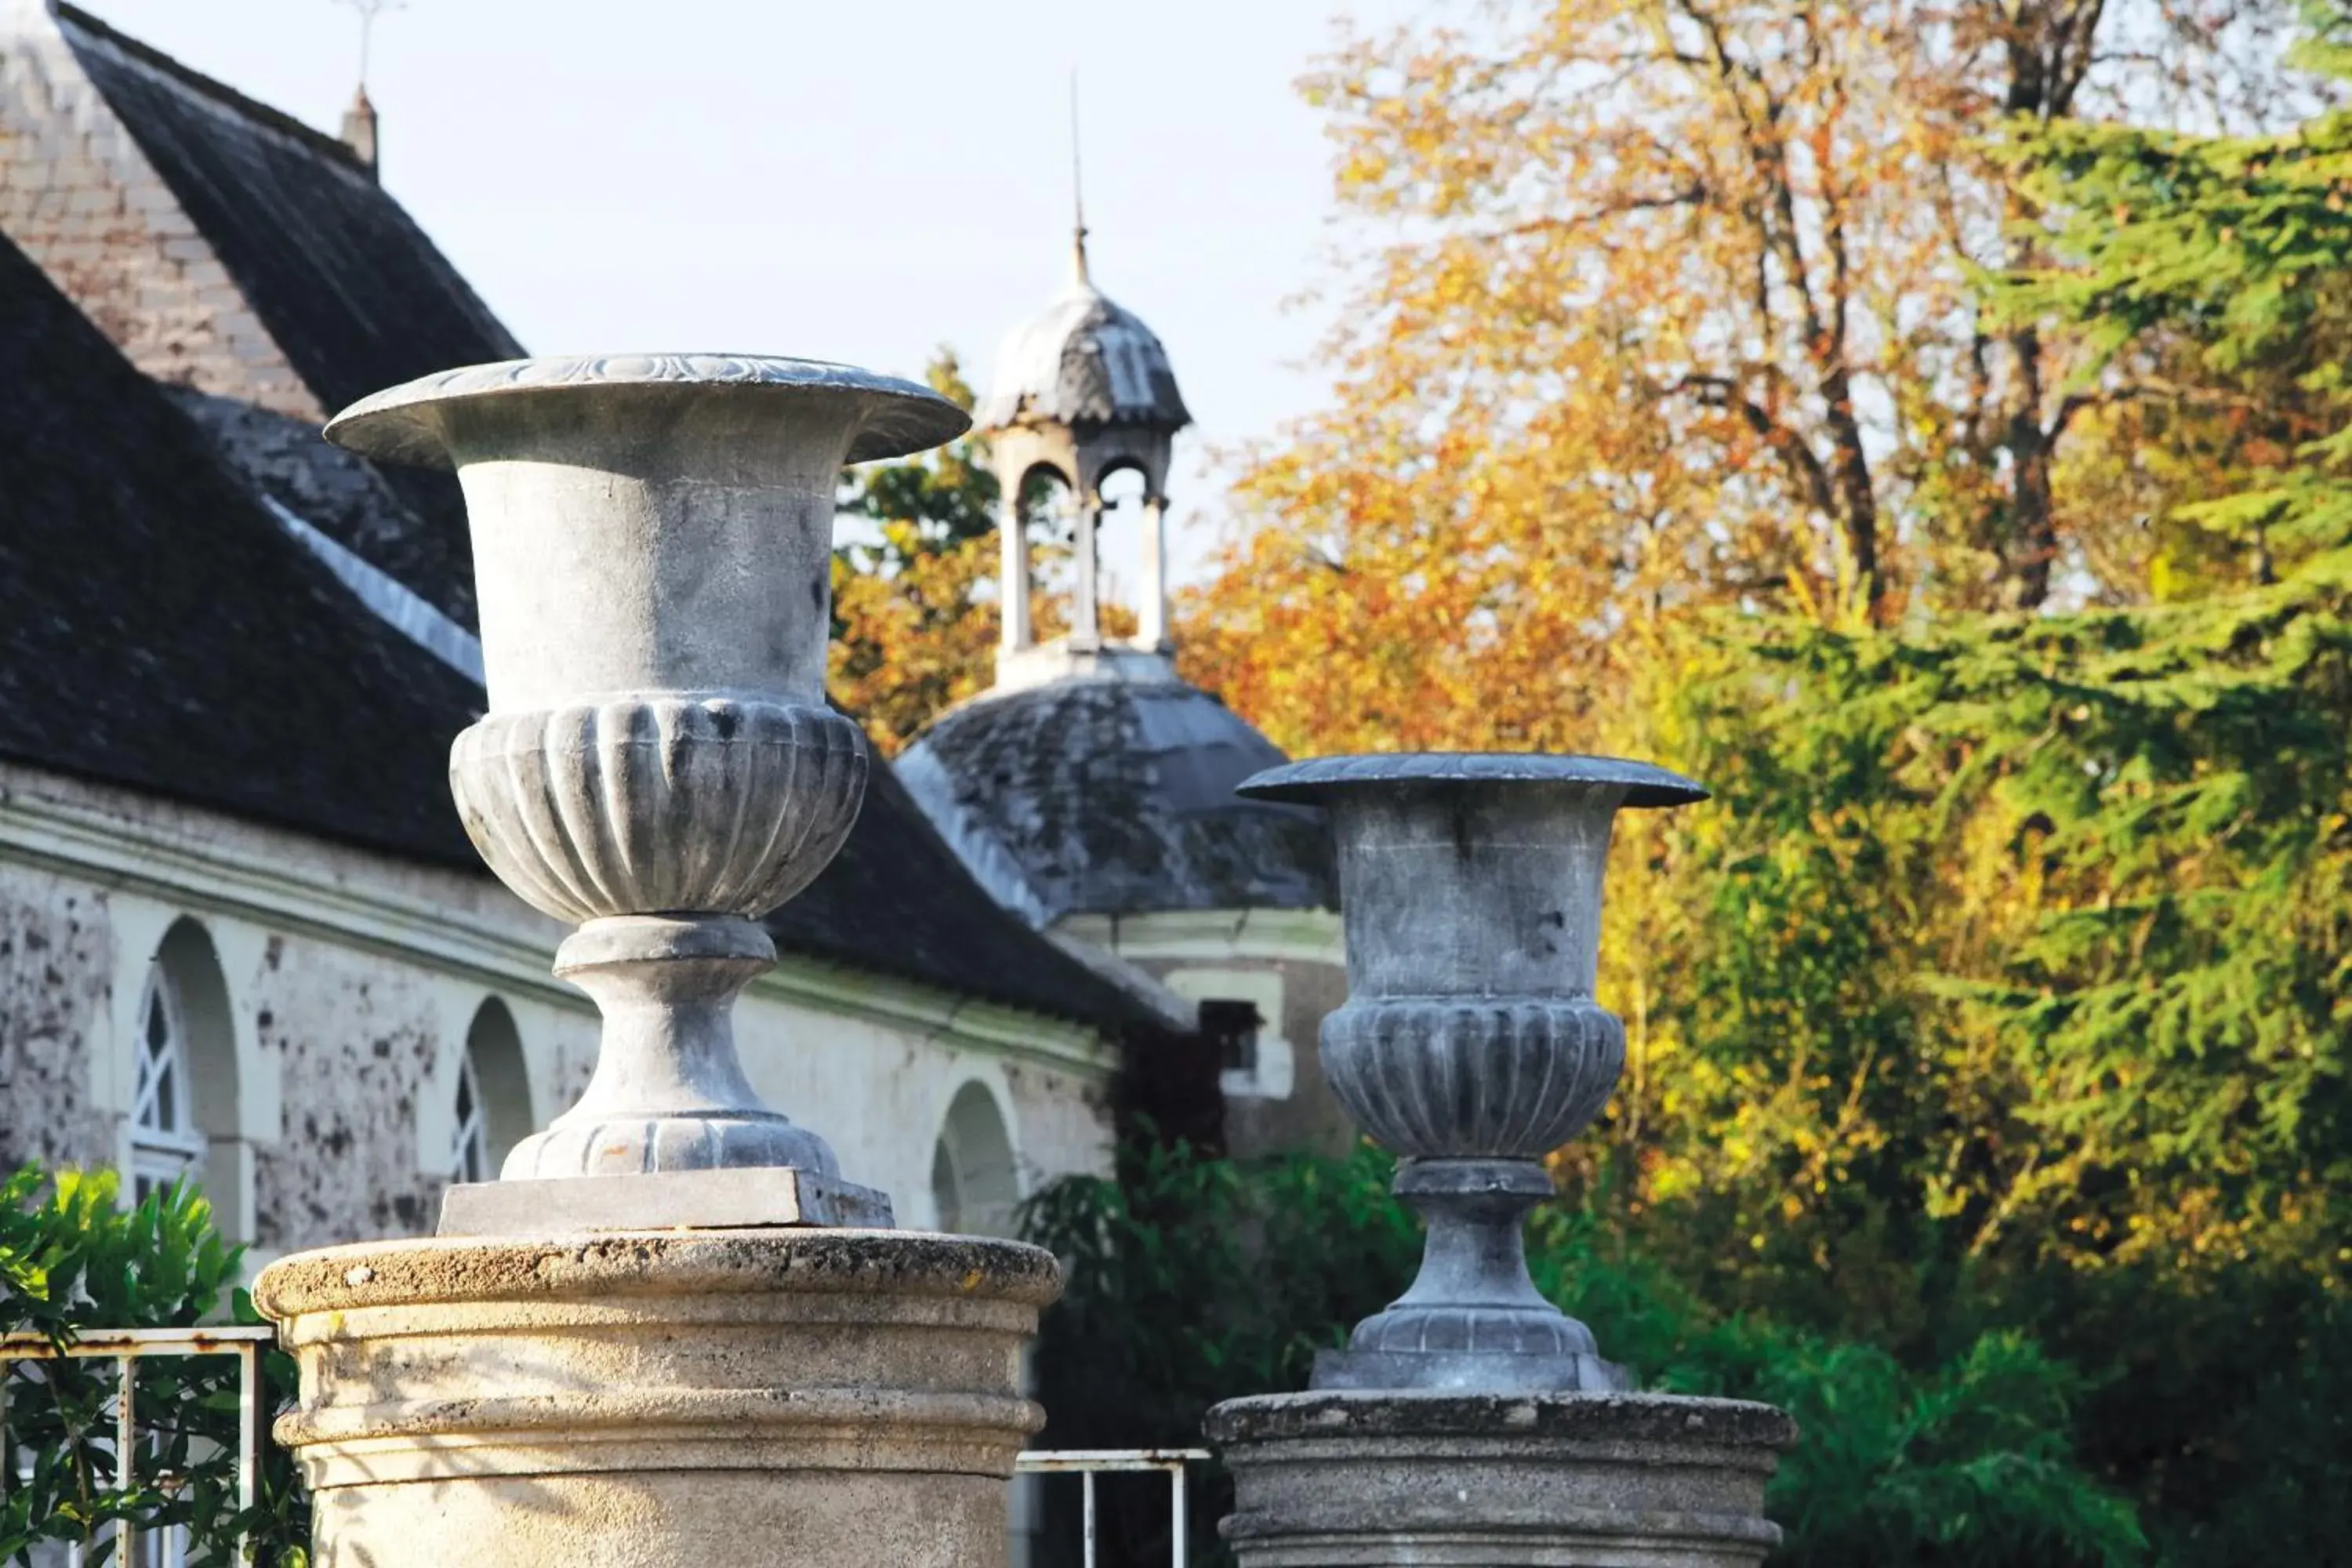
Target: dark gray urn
1470,1043
1473,1424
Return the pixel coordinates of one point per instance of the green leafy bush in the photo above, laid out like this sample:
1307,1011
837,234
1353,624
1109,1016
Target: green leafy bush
73,1260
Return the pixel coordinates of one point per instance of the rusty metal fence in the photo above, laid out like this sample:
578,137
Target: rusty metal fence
127,1347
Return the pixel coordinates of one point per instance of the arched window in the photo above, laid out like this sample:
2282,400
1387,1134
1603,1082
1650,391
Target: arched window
165,1143
493,1095
184,1114
1119,546
974,1183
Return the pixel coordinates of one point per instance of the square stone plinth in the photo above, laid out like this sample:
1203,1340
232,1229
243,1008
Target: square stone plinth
746,1197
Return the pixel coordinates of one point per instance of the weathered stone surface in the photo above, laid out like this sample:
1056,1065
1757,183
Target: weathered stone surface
666,1400
54,968
657,1200
352,978
1541,1481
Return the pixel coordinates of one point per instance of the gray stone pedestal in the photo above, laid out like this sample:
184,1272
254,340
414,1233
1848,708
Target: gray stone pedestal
1435,1479
794,1398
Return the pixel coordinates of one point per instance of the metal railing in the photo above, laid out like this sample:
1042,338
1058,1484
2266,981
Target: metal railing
1089,1463
127,1347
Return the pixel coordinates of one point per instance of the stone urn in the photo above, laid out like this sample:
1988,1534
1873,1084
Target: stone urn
653,557
671,1335
1472,1421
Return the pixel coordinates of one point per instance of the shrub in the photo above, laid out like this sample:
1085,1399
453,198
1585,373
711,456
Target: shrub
72,1260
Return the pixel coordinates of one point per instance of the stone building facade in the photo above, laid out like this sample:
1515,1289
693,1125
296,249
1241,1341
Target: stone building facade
325,1036
241,935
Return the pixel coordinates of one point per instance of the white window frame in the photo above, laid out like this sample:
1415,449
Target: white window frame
165,1141
470,1139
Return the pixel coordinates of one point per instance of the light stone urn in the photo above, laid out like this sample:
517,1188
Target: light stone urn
670,1336
1473,1422
652,550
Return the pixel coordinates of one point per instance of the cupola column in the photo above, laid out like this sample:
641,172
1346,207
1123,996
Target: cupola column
1086,589
1151,600
1013,579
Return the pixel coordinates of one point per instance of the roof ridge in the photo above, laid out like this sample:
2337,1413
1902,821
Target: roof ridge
227,97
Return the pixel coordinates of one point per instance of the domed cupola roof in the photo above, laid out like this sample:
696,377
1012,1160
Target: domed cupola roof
1083,361
1115,797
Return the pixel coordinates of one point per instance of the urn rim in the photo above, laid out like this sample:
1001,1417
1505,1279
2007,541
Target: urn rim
1321,781
403,424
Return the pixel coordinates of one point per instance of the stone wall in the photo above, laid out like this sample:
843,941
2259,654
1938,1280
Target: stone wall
328,1086
55,1092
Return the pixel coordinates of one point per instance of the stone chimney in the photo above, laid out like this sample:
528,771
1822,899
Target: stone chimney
359,128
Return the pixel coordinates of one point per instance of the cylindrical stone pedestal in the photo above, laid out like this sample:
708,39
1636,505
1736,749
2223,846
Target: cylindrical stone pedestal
674,1399
1440,1479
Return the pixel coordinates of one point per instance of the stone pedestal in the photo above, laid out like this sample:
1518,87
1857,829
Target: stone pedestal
1499,1480
661,1399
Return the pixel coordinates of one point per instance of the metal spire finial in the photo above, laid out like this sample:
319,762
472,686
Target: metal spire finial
368,10
1077,191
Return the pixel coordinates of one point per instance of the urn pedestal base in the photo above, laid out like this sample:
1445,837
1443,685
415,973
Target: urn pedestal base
648,1399
1350,1480
746,1197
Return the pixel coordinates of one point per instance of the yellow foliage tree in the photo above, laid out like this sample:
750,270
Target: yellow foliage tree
1674,304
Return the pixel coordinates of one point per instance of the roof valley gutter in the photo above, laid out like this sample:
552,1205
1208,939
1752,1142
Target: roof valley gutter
386,597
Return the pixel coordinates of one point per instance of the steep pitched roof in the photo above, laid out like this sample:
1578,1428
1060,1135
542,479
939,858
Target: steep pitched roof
349,288
158,629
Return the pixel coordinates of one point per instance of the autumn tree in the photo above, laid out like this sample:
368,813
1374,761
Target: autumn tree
2001,984
1672,303
914,618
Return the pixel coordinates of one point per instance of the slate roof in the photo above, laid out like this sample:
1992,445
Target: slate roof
363,508
1083,361
160,630
1110,796
355,295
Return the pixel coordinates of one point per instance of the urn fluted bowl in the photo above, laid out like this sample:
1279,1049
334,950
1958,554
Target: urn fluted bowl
653,539
1471,896
1470,1043
719,803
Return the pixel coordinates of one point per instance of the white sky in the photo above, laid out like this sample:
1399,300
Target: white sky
856,182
